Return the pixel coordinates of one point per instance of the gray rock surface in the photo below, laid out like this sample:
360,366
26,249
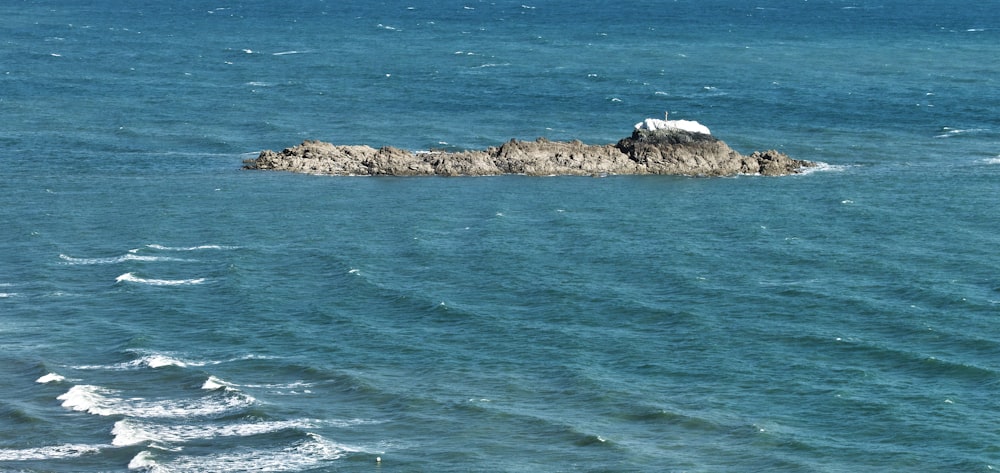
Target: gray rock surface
674,152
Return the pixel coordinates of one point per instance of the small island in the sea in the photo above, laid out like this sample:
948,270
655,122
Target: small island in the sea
669,147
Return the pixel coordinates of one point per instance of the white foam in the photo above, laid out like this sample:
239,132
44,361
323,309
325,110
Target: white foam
653,124
106,402
50,378
213,383
159,361
130,256
995,160
285,53
304,455
822,167
131,277
191,248
50,452
144,461
133,432
949,132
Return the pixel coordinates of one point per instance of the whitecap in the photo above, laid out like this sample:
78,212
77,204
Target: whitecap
213,383
143,461
49,452
131,277
87,398
302,455
285,53
949,132
822,167
101,401
150,360
50,378
160,361
130,256
995,160
191,248
133,432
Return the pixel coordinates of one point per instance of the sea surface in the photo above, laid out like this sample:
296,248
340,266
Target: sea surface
163,310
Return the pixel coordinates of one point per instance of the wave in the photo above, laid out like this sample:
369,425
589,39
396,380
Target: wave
50,378
823,167
192,248
160,360
131,256
213,383
303,455
49,453
131,277
133,432
296,387
949,132
101,401
995,160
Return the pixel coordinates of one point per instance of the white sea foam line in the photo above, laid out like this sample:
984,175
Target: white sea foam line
101,401
131,256
160,360
303,455
131,277
191,248
51,452
132,432
948,132
822,167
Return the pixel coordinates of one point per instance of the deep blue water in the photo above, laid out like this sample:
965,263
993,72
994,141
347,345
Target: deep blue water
163,310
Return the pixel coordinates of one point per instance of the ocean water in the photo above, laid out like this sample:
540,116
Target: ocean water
162,310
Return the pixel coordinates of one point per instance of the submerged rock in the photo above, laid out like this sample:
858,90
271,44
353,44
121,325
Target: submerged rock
660,151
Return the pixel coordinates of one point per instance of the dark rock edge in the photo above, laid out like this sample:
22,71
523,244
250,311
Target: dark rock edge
663,152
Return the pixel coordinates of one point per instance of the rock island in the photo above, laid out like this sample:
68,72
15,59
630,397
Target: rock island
671,147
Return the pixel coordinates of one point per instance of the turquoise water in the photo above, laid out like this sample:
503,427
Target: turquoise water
163,310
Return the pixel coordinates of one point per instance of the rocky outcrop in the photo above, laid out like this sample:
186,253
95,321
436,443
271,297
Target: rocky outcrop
675,152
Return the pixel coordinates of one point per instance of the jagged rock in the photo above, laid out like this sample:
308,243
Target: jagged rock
669,151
